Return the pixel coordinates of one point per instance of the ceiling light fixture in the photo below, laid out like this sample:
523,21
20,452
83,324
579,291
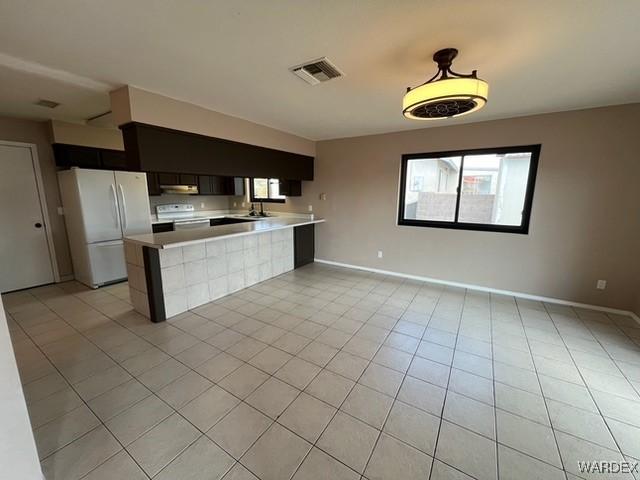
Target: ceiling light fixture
446,94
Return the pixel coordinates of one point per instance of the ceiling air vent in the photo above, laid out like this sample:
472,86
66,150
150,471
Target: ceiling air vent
317,71
47,103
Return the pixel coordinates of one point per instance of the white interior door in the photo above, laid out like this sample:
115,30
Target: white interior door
133,198
25,259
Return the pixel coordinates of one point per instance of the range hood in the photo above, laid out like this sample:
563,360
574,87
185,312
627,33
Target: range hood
179,189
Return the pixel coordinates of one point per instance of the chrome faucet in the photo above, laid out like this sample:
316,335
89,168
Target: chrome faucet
254,213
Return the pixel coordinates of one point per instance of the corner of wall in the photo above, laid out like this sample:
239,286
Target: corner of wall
121,105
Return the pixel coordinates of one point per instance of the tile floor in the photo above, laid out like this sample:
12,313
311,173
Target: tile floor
326,373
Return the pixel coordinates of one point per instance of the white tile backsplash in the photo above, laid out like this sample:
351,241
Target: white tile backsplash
195,272
277,249
264,239
236,281
136,277
215,248
277,266
251,275
194,252
235,261
235,244
130,253
173,278
216,267
251,257
264,250
249,242
140,301
265,271
218,287
170,257
175,302
198,294
203,272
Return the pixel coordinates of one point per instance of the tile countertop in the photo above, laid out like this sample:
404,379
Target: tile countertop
181,238
210,214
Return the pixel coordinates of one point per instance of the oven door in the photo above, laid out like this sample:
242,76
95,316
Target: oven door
191,224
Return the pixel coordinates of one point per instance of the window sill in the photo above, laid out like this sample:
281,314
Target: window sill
268,200
522,230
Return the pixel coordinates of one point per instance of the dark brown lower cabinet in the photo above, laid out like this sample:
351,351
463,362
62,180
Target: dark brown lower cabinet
303,245
162,227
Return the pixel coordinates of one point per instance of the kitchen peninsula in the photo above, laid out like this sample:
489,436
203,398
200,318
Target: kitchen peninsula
172,272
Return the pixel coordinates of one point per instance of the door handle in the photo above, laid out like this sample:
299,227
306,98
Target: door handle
115,204
124,206
38,225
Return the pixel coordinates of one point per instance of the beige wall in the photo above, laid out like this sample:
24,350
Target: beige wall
28,131
636,306
584,225
132,104
77,134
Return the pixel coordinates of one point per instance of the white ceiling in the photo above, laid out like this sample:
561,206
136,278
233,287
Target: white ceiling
233,56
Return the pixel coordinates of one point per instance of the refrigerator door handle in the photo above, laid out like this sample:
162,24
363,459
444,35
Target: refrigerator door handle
115,205
124,207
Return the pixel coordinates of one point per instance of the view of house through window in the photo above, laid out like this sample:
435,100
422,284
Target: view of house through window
266,189
488,190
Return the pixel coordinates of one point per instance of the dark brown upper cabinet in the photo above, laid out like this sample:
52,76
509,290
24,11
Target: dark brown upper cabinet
89,157
204,185
76,156
185,179
216,185
235,186
177,179
211,185
157,149
168,178
153,184
113,159
291,188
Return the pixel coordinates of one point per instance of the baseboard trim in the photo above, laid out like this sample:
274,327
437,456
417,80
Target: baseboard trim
480,288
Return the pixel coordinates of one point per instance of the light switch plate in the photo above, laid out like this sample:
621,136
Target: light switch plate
601,284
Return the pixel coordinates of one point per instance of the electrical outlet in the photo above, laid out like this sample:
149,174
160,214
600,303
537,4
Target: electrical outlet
242,204
235,204
310,208
60,211
379,253
323,196
601,284
201,204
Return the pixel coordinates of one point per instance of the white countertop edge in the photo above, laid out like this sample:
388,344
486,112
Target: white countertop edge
222,237
212,214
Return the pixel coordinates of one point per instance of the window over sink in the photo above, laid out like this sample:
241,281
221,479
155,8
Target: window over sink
485,189
266,190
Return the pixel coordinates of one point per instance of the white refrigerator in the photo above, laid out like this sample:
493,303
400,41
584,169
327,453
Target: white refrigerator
100,207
